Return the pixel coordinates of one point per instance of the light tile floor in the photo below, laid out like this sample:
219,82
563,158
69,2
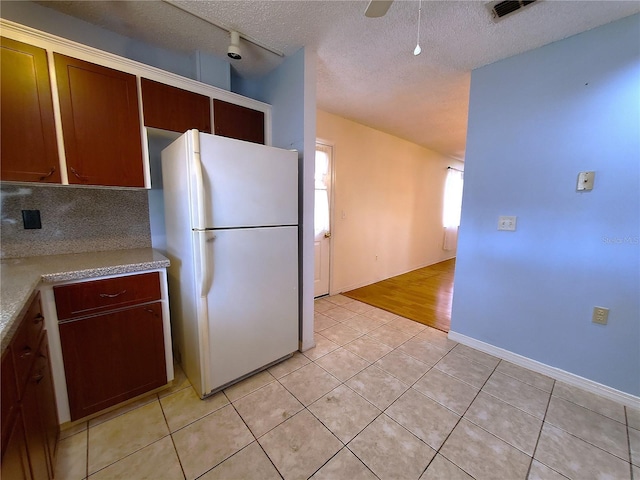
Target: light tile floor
378,397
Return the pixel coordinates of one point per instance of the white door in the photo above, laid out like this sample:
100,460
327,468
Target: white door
322,219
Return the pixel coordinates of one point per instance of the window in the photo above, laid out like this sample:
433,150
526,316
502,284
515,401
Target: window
452,198
321,209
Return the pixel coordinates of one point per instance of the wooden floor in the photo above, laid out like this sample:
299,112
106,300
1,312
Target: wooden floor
423,295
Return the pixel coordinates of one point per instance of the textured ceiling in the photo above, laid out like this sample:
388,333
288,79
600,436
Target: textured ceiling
366,69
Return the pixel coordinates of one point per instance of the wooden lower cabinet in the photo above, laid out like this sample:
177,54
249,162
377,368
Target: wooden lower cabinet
112,357
29,413
15,458
42,379
41,466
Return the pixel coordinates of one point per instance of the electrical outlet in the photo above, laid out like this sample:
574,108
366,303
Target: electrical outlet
31,219
600,315
507,223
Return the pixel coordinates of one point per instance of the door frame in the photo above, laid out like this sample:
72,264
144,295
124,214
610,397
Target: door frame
332,183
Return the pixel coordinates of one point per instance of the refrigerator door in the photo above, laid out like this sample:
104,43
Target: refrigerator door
252,300
246,184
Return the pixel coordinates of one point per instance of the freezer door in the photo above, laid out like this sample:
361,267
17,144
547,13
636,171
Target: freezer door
246,184
252,300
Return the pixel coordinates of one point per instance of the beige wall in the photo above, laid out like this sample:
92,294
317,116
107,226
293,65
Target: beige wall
387,202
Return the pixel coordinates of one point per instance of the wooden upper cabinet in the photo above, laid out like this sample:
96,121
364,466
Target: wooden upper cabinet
171,108
234,121
100,124
27,132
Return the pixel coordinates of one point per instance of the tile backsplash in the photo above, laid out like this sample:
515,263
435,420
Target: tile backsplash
73,220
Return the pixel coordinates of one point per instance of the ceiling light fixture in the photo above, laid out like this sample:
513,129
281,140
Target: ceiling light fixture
227,29
234,49
417,51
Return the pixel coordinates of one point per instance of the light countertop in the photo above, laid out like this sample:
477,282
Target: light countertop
19,277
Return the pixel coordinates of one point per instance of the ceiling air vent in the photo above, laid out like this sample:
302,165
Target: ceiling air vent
501,9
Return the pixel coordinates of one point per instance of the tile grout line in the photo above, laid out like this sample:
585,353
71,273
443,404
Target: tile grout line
343,383
588,442
460,419
626,419
382,412
546,410
255,438
135,451
175,449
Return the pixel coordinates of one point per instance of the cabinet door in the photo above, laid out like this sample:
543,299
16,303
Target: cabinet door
15,459
100,124
36,439
171,108
112,357
9,396
27,132
47,408
238,122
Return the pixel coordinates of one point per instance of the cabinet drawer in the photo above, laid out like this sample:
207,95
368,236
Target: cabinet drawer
26,340
87,298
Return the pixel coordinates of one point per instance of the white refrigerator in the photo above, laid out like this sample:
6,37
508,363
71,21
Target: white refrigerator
231,219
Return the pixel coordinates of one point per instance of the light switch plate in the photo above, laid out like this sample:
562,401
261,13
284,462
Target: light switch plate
585,181
507,223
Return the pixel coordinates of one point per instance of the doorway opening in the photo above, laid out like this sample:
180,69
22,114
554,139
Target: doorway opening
322,218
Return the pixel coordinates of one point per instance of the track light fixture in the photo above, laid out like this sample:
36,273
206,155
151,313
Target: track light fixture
234,49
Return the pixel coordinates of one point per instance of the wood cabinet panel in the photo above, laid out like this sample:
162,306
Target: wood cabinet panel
47,411
26,341
29,413
100,124
113,357
87,298
15,458
239,122
9,395
171,108
36,439
28,149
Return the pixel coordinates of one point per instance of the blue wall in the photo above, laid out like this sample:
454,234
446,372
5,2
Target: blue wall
535,121
283,88
198,66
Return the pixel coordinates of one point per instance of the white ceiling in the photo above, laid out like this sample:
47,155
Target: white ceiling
366,69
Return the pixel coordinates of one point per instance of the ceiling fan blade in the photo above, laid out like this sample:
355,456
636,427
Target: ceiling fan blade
377,8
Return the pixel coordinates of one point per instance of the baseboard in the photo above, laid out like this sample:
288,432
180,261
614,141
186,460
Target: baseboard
553,372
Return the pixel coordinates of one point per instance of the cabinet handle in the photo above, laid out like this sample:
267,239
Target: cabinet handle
148,310
38,377
81,177
53,169
26,352
37,319
112,295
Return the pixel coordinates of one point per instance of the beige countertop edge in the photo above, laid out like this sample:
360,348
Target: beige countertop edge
22,276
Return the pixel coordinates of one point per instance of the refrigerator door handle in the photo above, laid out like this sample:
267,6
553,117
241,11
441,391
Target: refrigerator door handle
199,191
205,281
